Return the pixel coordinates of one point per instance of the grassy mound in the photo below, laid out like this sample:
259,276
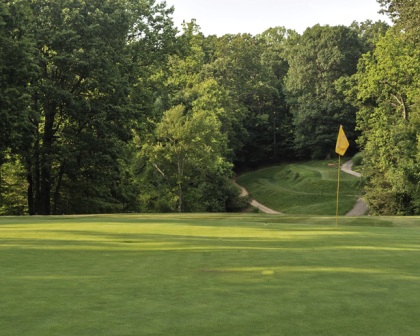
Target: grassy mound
209,275
302,188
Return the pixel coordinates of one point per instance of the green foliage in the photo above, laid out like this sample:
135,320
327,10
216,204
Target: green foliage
405,14
79,79
322,56
79,102
358,160
370,32
252,71
16,72
13,188
184,157
75,119
387,90
187,149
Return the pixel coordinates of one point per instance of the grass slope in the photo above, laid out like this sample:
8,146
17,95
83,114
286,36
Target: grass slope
304,188
209,275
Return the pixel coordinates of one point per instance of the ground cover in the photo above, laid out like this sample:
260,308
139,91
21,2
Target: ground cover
303,188
211,274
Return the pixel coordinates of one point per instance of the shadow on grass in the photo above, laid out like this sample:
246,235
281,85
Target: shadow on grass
209,275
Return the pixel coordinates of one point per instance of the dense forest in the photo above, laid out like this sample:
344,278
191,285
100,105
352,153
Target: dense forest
105,106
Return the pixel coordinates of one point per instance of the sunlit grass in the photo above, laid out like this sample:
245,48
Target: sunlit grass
209,274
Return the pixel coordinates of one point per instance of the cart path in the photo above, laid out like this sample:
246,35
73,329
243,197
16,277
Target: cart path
347,168
257,204
360,208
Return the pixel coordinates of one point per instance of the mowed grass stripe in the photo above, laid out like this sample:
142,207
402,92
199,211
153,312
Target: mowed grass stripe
209,275
305,188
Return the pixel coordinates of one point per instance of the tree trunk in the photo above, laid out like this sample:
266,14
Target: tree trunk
57,188
180,176
46,162
45,190
31,205
180,197
33,176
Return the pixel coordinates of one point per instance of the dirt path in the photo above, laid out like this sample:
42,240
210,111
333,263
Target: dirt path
257,204
360,208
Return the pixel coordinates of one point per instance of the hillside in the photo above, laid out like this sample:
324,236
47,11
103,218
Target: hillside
302,188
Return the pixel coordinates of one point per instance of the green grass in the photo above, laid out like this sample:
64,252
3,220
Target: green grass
304,188
209,275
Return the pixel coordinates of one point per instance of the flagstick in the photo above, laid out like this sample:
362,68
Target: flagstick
338,191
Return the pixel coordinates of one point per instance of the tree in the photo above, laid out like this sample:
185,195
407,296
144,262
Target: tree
13,187
405,14
256,106
16,72
387,92
370,32
183,160
76,93
277,43
322,56
80,110
187,155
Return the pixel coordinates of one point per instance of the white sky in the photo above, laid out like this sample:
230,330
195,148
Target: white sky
221,17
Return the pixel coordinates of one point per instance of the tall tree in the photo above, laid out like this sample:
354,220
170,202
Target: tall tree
183,159
256,106
323,55
16,72
277,43
186,163
387,91
80,111
370,32
405,14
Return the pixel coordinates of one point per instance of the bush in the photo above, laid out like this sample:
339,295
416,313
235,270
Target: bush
358,160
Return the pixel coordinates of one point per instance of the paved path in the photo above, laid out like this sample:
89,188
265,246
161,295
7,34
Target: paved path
360,208
257,204
347,168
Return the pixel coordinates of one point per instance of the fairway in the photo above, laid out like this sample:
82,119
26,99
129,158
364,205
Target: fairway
209,274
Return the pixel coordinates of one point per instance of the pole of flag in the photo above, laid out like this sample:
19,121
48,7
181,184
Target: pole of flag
338,192
340,148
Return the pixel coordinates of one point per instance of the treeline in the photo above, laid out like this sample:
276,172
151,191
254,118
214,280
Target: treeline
106,107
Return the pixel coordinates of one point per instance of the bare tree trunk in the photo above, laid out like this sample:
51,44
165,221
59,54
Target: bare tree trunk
180,176
57,188
46,161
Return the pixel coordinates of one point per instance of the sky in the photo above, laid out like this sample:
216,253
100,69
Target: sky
219,17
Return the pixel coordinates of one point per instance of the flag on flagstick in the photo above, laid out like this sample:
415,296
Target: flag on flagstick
340,148
342,142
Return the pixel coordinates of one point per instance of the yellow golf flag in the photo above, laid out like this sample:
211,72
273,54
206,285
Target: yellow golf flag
342,142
